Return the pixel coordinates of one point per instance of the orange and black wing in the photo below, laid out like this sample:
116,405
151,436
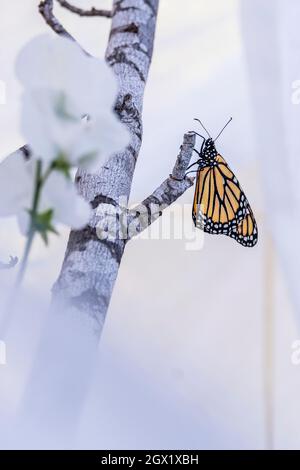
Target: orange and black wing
246,231
220,206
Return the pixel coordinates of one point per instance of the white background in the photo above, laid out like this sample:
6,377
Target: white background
181,360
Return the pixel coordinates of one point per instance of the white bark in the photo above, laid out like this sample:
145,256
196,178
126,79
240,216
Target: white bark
81,12
64,362
91,265
171,189
46,10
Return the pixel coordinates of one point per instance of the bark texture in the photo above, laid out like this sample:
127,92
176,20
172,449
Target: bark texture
168,192
81,12
46,10
91,265
61,375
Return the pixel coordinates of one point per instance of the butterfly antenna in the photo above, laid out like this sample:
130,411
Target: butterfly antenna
223,129
195,119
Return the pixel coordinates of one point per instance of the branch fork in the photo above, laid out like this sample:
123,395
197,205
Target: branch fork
169,191
91,264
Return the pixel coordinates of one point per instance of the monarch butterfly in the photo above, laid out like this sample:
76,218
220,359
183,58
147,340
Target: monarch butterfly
220,205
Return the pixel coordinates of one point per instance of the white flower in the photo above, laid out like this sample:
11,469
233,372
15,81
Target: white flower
17,177
57,63
16,183
62,85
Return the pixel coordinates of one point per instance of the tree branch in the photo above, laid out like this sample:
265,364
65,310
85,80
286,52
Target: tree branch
168,192
83,290
46,10
13,260
79,11
90,267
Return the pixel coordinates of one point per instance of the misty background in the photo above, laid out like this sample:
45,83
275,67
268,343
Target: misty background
182,359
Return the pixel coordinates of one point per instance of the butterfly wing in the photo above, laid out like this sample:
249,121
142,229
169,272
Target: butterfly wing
246,231
220,206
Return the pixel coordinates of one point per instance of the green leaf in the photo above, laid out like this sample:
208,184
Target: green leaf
42,223
63,165
44,236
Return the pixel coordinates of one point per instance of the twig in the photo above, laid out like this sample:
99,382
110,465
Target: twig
25,151
79,11
168,192
46,10
13,260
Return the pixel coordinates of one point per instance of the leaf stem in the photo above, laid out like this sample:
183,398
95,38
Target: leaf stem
39,182
31,233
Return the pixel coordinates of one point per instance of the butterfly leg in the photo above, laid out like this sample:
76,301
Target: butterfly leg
189,172
193,171
199,155
193,164
198,161
197,152
201,150
196,133
199,135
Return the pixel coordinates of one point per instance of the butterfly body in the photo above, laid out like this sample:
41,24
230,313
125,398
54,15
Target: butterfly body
220,205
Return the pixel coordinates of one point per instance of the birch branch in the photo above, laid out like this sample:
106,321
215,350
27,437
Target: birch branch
79,11
46,10
81,295
13,260
168,192
90,267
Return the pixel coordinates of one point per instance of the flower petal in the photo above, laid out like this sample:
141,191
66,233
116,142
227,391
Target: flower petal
102,137
69,208
16,184
60,64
